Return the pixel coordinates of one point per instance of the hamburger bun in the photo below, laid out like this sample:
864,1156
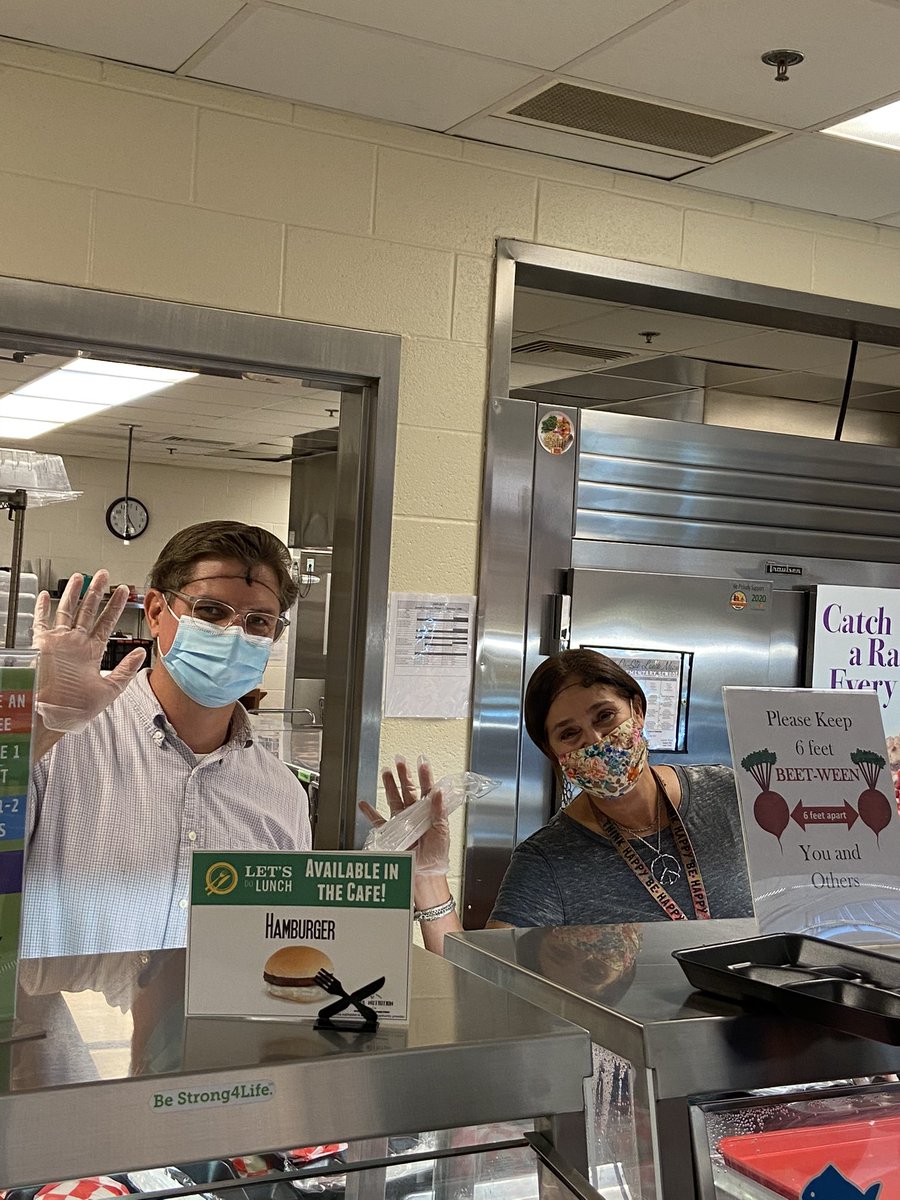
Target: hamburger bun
290,974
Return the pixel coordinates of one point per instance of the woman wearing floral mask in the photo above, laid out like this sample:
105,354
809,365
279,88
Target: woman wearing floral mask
637,843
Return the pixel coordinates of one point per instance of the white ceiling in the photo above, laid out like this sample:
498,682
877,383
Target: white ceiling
210,421
458,67
688,352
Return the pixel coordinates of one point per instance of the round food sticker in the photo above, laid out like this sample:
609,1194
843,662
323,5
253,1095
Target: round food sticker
555,433
738,600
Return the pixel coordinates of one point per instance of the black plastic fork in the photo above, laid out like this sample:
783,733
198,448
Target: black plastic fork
334,987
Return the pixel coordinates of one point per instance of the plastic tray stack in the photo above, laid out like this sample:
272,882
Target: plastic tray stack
852,990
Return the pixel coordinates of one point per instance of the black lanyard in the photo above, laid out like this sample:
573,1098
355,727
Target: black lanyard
634,861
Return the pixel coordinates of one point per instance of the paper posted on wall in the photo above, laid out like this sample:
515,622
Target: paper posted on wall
429,662
822,836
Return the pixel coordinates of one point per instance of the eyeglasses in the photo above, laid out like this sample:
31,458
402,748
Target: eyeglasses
221,616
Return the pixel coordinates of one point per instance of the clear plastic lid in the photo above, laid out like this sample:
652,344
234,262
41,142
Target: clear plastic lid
43,476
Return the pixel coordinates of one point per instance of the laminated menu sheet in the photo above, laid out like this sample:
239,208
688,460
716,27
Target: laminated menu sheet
17,685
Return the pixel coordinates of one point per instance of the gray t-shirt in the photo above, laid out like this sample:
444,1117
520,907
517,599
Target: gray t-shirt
567,875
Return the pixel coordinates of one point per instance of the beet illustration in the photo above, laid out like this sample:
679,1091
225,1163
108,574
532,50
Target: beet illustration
770,810
874,807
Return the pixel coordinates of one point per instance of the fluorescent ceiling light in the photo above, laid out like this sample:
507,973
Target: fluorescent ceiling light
23,430
77,389
880,127
39,408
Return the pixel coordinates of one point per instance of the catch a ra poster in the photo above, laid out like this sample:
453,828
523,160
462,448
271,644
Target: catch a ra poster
856,647
820,822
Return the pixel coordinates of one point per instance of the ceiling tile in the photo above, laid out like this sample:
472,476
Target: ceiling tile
524,31
884,367
306,58
539,312
783,351
707,53
594,150
674,332
802,385
811,171
161,34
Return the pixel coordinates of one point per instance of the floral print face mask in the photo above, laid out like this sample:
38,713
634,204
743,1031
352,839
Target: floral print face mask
611,766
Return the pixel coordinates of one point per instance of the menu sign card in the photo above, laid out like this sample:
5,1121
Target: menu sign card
820,822
283,935
17,676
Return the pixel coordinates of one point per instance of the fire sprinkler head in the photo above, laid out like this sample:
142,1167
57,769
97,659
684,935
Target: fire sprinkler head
781,60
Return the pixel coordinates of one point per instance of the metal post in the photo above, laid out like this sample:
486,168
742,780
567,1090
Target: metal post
16,502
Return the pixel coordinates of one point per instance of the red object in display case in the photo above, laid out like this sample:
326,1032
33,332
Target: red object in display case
865,1152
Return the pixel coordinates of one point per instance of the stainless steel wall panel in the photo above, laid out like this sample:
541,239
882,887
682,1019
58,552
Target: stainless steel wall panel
499,660
651,611
551,556
742,564
746,481
776,511
650,439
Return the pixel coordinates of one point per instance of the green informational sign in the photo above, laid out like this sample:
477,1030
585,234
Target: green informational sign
278,935
306,880
17,679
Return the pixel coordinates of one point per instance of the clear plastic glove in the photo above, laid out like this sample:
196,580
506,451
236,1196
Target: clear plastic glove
432,850
71,690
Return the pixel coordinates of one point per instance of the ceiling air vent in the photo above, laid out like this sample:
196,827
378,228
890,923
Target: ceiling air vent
571,108
568,355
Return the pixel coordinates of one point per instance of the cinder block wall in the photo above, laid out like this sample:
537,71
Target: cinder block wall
117,178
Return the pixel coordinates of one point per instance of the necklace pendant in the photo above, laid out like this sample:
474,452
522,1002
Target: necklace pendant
665,869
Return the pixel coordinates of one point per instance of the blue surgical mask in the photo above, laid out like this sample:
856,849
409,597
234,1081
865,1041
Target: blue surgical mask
216,666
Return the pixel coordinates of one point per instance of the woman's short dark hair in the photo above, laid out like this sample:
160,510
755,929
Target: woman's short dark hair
249,544
587,667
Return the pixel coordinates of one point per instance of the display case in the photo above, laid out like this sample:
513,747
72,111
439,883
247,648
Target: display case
480,1096
665,1055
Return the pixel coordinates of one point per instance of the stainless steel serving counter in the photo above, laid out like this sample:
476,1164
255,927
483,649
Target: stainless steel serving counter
184,1089
622,985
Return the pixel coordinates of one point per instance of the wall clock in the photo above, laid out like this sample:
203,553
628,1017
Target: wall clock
127,518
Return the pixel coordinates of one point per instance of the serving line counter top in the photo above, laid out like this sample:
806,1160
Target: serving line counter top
673,1043
206,1088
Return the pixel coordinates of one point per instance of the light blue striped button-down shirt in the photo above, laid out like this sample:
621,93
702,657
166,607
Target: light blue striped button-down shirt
116,812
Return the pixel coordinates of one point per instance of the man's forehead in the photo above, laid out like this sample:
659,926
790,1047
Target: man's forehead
250,576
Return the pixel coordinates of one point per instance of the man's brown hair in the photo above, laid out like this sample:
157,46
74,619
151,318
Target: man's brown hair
587,667
249,544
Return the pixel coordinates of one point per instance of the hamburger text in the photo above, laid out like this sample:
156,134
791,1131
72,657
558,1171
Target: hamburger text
299,927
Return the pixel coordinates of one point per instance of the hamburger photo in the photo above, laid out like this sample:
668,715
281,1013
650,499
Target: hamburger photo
290,974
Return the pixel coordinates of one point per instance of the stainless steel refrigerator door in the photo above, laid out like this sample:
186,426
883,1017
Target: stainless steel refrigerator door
737,632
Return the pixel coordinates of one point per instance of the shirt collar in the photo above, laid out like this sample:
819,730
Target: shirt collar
144,699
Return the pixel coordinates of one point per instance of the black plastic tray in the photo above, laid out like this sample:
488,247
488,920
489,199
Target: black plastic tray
869,1009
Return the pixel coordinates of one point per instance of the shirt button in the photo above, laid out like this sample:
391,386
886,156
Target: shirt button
182,903
192,835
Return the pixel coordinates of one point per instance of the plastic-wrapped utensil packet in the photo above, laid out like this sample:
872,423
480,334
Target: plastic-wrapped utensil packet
404,830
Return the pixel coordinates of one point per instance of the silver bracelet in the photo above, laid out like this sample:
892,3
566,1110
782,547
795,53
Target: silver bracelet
435,914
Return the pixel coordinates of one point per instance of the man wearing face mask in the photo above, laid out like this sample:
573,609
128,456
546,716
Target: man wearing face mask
636,843
138,768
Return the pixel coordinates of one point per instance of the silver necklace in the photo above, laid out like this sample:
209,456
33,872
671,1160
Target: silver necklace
665,868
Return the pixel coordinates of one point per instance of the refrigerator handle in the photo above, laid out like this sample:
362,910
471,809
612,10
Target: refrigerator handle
557,624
